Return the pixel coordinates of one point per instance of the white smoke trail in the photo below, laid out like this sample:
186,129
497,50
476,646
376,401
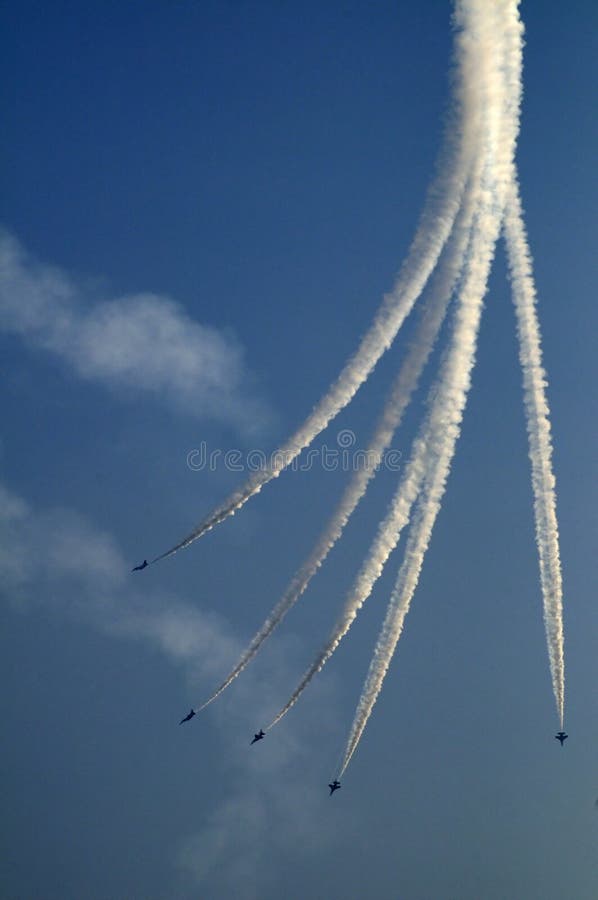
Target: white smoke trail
419,537
437,220
440,434
399,397
538,430
451,389
445,440
386,539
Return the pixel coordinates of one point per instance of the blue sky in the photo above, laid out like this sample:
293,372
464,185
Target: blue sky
203,203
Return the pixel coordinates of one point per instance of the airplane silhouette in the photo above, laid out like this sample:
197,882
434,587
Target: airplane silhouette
143,565
562,737
187,717
258,737
334,787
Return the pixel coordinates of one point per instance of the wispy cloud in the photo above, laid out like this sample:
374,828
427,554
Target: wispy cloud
273,805
271,819
59,559
142,342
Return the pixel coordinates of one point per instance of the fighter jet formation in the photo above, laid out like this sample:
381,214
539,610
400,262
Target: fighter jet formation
473,201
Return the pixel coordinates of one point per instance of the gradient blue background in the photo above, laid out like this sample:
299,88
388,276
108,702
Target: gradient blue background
264,165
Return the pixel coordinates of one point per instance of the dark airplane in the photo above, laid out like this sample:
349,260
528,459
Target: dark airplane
562,737
258,737
334,786
143,565
187,717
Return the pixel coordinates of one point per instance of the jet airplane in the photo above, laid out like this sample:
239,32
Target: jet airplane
258,737
562,737
141,566
187,717
334,787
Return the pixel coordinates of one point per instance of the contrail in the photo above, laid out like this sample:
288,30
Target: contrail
441,435
433,316
450,391
436,222
475,193
387,537
538,431
446,437
535,401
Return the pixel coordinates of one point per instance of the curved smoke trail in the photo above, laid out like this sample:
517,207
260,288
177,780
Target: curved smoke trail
451,389
387,538
440,435
431,498
537,413
397,402
437,220
540,445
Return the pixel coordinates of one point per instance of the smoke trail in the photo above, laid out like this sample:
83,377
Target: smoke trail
386,539
538,431
441,208
399,397
444,441
439,434
446,434
455,370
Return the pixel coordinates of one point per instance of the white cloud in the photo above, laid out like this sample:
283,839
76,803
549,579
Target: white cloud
270,803
274,817
57,557
274,806
144,342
